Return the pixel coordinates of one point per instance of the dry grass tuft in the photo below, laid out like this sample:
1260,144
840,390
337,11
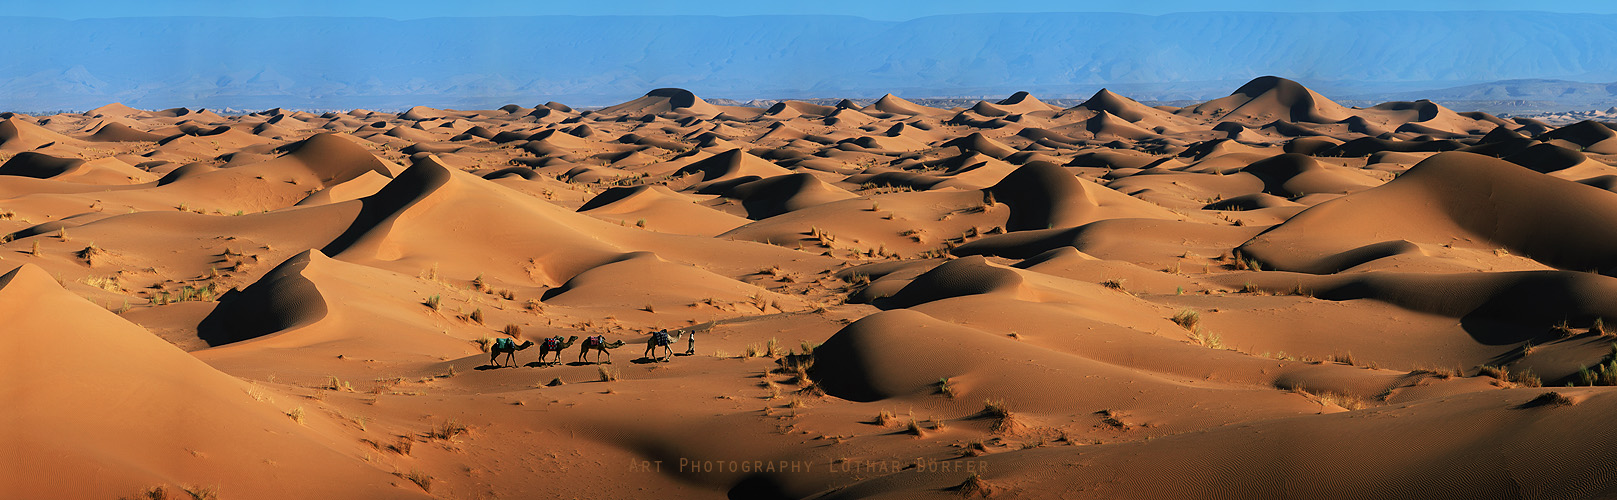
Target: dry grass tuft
607,374
973,449
1563,330
296,414
1005,421
1202,338
202,492
976,485
420,479
447,430
335,384
914,428
1188,319
402,446
109,283
885,418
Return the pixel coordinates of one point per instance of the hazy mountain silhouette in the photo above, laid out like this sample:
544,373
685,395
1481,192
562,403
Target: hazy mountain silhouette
370,62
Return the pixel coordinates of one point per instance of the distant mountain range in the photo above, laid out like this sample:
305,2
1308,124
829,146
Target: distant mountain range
344,63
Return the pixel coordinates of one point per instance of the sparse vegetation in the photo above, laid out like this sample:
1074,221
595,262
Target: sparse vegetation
403,445
914,428
1188,319
335,384
1004,421
1508,378
447,430
202,492
975,485
944,388
1603,373
607,374
108,283
885,418
1202,338
1564,330
296,414
420,479
434,302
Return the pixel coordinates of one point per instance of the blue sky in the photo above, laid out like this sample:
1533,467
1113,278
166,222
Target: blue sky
871,9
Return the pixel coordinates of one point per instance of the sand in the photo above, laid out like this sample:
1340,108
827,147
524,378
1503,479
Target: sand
1268,294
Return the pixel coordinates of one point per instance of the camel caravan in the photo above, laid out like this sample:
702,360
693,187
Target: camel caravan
602,349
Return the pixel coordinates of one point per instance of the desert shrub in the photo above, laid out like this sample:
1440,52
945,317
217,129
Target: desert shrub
1188,319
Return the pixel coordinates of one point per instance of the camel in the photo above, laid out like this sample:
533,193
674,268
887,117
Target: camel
509,350
662,338
556,345
600,345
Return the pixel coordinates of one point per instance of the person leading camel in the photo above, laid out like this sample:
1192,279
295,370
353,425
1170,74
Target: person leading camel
507,347
555,344
598,343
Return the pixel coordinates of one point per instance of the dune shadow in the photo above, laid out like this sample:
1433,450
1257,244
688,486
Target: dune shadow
1495,332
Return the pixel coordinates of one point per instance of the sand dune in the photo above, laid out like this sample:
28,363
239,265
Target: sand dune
1095,301
196,426
1441,201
